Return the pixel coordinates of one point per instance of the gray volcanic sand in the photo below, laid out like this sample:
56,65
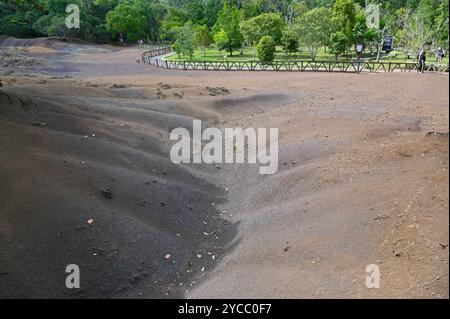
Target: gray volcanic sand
359,181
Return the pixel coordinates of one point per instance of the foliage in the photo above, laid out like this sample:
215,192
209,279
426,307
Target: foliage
343,14
311,24
270,24
441,25
266,49
314,29
203,38
19,23
185,43
289,41
344,19
53,23
228,24
338,43
127,19
221,40
173,20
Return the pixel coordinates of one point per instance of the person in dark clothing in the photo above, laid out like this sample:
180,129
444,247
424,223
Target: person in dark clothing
422,58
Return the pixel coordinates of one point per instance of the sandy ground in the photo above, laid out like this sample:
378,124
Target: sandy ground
361,181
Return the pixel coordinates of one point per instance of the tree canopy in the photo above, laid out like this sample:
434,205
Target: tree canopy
230,24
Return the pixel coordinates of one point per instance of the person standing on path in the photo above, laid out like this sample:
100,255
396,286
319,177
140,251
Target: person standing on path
422,58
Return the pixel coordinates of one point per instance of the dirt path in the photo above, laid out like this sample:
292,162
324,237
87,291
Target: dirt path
360,182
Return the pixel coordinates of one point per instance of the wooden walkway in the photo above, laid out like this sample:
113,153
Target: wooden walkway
152,57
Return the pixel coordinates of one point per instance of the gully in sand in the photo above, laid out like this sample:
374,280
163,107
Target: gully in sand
228,148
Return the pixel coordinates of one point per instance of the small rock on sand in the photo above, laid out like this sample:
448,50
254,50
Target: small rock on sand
107,193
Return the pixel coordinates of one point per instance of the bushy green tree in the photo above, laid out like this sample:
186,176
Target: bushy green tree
153,13
343,13
266,49
295,11
314,30
289,41
195,12
344,18
372,39
359,28
212,9
53,22
270,24
228,21
442,23
203,38
126,20
250,9
19,23
186,40
107,4
221,40
338,43
173,20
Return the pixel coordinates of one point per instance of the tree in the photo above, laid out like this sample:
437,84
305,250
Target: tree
126,19
107,5
289,41
185,42
344,18
228,21
53,22
19,23
372,39
176,47
266,49
295,11
212,9
221,40
264,24
442,22
18,16
388,21
195,12
203,38
313,29
359,28
173,20
153,13
412,30
338,43
250,33
250,9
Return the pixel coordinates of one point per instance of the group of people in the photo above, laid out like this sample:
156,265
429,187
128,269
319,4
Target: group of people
422,58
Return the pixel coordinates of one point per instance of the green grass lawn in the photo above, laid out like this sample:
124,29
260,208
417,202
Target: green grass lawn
248,54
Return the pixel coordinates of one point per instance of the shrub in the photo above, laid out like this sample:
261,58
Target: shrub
289,41
266,49
338,43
